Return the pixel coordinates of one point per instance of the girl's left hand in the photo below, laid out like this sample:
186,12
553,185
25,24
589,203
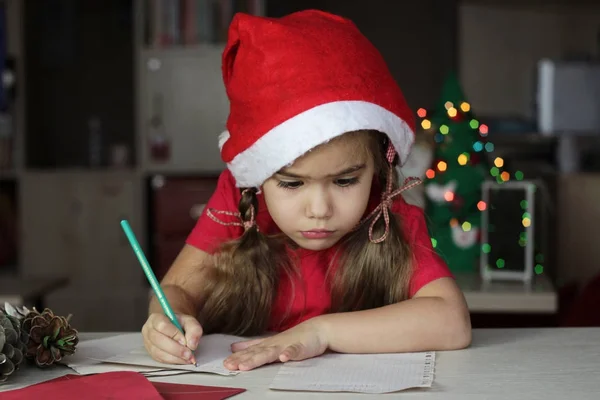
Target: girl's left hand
305,340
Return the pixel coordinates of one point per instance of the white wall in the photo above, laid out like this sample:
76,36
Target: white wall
499,47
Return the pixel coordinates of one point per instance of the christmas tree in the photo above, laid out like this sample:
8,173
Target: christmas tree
453,185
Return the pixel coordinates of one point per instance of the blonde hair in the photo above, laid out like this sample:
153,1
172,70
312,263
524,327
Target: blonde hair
244,276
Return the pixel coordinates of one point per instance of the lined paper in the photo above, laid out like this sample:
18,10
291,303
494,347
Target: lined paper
363,373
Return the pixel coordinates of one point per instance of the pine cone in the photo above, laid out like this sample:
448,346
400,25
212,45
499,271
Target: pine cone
12,345
16,316
50,337
16,312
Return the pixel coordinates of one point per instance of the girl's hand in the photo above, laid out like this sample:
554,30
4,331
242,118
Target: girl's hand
165,343
305,340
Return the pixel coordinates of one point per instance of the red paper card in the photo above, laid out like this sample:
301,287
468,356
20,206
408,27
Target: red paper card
119,385
110,385
174,391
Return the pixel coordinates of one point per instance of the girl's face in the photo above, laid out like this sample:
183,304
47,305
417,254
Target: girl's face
322,195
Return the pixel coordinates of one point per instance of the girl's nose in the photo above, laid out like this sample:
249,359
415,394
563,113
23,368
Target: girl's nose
319,205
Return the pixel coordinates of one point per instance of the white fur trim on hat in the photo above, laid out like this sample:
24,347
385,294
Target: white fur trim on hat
293,138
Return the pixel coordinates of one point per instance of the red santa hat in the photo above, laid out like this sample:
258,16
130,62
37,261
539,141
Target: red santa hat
299,81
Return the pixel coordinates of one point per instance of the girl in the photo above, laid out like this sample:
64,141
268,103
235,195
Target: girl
307,234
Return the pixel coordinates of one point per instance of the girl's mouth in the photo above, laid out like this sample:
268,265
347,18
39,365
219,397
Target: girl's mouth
317,234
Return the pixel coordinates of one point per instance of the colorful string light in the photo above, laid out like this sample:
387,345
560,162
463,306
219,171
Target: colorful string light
481,206
483,130
442,135
519,175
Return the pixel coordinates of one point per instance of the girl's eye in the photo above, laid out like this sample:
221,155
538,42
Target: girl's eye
289,185
346,182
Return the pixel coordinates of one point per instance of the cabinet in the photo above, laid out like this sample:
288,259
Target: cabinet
100,309
79,72
176,204
183,109
70,226
47,244
76,232
181,100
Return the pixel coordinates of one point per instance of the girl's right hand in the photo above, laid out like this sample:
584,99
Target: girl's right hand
165,343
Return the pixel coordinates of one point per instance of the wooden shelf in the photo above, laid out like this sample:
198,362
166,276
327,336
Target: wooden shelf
182,50
186,22
508,297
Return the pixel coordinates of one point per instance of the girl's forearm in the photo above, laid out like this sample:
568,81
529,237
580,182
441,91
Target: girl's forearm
418,324
179,300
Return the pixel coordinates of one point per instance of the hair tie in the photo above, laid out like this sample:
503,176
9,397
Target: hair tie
244,224
387,197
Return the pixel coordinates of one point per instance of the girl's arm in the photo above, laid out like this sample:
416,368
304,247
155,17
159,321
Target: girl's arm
182,284
436,318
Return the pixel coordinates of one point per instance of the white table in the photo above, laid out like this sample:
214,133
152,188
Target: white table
538,297
548,364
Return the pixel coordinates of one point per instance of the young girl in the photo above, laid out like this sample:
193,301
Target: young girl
307,234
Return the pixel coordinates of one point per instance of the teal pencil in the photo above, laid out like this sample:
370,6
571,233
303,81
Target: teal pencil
137,249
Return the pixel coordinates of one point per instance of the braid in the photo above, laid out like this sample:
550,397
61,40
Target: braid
374,274
245,277
248,207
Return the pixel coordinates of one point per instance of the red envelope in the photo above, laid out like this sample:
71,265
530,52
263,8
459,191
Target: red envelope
175,391
118,385
111,385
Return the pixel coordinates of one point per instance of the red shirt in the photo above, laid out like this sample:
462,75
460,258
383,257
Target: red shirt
311,295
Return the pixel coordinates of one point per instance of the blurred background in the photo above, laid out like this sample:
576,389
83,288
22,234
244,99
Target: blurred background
110,110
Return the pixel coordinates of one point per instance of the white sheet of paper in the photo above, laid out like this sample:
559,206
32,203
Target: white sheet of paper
166,372
101,367
86,359
211,352
364,373
29,375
